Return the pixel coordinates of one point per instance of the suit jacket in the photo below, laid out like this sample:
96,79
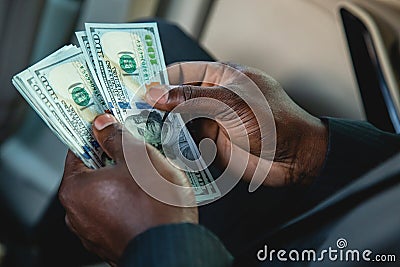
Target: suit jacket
356,210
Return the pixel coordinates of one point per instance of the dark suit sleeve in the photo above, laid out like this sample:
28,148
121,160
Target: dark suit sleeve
186,245
355,147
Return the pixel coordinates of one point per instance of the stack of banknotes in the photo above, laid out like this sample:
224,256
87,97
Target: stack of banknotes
110,72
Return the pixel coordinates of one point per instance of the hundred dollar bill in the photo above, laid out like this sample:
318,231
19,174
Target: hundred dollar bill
165,132
70,89
128,59
33,94
87,53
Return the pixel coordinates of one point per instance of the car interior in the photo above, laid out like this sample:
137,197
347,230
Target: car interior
336,58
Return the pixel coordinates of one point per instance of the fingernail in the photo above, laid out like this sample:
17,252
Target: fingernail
103,121
158,94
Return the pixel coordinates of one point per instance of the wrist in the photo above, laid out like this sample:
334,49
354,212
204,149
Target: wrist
313,149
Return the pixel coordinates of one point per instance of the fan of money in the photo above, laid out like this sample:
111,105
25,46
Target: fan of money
109,72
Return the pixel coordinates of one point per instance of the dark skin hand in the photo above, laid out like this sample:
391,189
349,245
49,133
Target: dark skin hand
301,139
106,208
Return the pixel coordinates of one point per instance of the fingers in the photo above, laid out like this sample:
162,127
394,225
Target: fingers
186,98
69,225
73,165
187,72
201,72
108,133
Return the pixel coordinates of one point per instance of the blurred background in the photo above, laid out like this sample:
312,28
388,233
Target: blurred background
335,58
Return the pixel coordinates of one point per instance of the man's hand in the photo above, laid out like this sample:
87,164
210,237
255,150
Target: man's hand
106,208
217,91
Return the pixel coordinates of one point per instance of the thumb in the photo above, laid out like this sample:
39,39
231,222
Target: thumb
202,99
108,133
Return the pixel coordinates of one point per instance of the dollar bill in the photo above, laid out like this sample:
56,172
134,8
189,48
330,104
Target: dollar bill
110,72
33,93
128,60
165,132
69,87
87,53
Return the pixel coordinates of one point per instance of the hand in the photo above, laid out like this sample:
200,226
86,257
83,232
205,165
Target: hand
106,208
301,139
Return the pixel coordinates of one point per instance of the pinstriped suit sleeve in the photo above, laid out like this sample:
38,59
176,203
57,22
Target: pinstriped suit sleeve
355,147
186,245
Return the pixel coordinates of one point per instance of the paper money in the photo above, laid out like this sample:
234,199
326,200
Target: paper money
65,89
87,53
34,94
128,59
166,133
110,72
